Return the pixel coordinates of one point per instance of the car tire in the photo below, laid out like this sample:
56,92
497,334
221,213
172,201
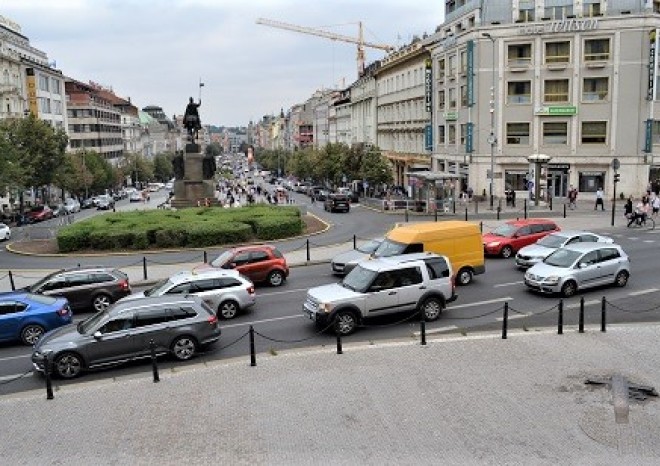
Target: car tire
464,277
506,252
621,279
184,348
31,334
68,365
101,302
432,308
228,309
569,289
276,278
345,323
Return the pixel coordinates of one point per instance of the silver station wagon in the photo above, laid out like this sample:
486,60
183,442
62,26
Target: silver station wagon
579,266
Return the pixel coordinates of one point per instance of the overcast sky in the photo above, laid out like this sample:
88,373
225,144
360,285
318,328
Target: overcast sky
156,51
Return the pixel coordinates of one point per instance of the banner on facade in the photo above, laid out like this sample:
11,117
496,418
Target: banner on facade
653,67
33,103
428,85
428,137
470,74
469,131
648,136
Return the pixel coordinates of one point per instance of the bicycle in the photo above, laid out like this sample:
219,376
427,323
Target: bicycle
642,222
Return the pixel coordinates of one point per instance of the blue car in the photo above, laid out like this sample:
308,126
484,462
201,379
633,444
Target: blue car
26,316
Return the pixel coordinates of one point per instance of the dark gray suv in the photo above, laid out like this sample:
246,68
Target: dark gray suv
177,325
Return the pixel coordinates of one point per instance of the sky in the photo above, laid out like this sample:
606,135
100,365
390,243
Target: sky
157,51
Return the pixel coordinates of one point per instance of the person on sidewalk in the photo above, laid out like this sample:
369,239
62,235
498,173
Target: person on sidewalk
599,199
655,205
572,197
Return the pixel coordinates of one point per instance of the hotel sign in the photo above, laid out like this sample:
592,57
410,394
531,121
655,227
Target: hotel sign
557,110
653,58
428,85
33,104
564,25
451,116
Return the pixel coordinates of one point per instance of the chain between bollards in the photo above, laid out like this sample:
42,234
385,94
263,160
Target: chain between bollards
581,316
154,361
144,267
560,317
11,281
603,314
49,384
253,354
505,318
339,348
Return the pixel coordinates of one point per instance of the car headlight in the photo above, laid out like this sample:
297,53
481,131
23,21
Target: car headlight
325,307
493,244
552,280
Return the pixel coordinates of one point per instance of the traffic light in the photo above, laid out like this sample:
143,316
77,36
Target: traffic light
617,177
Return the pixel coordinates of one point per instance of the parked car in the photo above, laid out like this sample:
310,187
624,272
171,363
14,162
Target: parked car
258,263
177,325
535,253
421,282
321,195
5,232
26,317
343,263
39,213
337,202
105,202
578,266
513,235
71,205
227,291
88,203
58,209
86,289
351,195
135,196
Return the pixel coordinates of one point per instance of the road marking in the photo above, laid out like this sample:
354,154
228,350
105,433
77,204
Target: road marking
273,293
513,317
14,376
508,284
586,303
649,241
274,319
640,292
633,238
448,328
479,303
9,358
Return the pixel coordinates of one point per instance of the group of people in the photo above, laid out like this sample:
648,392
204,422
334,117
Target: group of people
648,204
233,194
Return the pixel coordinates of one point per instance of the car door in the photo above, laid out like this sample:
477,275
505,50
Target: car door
259,266
523,237
588,270
382,296
9,319
54,286
608,261
408,281
241,263
152,324
79,291
116,343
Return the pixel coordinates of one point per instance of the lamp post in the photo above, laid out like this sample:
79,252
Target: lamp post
492,140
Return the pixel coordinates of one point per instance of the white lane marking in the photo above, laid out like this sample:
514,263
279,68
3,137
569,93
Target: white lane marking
274,319
508,284
649,241
14,376
513,317
633,238
586,303
479,303
438,330
640,292
9,358
273,293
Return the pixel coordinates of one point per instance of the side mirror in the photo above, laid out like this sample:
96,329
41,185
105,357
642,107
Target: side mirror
97,335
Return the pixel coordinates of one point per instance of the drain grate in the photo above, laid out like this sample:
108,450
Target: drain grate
636,392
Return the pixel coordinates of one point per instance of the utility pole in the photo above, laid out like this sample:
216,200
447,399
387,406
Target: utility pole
492,140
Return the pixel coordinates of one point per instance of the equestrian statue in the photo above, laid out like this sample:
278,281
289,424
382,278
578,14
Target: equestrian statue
191,120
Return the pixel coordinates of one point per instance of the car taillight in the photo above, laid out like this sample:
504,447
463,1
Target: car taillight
124,285
250,289
63,312
213,320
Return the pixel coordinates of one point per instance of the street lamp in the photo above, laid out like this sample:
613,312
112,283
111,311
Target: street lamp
492,140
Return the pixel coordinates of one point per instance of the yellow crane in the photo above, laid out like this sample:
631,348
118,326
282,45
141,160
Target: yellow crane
361,43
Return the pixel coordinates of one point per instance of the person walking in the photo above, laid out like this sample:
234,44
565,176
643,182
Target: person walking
572,197
599,199
655,205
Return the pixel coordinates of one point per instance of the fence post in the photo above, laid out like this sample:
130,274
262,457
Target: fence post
11,281
339,348
581,317
144,267
49,384
466,214
505,319
564,210
525,207
253,355
422,328
560,318
603,314
499,209
206,257
354,242
154,361
307,246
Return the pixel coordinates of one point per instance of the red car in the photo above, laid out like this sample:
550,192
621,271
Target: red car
40,213
508,238
258,263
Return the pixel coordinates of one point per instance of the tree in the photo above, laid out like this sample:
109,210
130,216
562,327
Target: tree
375,168
214,149
163,170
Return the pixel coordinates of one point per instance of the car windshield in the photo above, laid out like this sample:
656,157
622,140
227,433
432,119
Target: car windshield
389,248
159,288
505,230
37,286
369,246
359,279
92,322
222,259
552,241
563,258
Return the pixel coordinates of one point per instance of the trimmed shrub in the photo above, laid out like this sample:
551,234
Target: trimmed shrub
111,239
214,234
170,237
268,228
72,239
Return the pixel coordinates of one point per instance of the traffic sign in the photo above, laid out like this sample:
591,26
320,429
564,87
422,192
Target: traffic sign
616,164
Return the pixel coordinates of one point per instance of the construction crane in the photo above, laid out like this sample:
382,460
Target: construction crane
361,44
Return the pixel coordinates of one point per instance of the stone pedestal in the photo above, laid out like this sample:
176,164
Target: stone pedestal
193,188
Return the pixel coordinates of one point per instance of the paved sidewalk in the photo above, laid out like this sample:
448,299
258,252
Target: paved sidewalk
458,400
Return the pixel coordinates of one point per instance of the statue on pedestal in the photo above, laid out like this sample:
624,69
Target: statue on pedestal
191,120
208,167
178,166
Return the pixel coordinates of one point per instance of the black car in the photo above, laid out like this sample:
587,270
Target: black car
92,289
337,202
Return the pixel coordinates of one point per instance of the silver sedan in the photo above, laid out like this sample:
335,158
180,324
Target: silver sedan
343,263
535,253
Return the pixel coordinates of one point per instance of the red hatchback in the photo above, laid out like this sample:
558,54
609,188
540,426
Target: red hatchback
508,238
40,213
258,263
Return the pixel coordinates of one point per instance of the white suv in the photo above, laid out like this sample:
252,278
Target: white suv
226,291
377,287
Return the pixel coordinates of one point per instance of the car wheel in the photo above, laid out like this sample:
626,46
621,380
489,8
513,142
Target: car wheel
621,279
569,289
464,277
184,348
276,278
31,333
101,302
228,309
345,323
506,252
432,308
68,365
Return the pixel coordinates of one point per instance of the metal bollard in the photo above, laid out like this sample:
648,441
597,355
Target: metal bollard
49,384
11,281
154,361
564,210
499,210
476,207
505,319
453,206
144,267
307,246
436,214
581,316
354,242
339,348
206,258
525,207
406,215
466,214
481,227
253,354
422,329
560,318
603,314
550,202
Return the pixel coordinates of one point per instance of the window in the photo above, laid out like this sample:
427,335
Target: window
241,258
182,313
656,132
464,98
228,282
151,317
590,258
101,277
525,14
258,256
557,52
608,254
441,68
524,231
537,228
555,90
55,283
596,49
594,89
452,134
517,133
463,65
594,132
441,134
452,98
555,132
8,307
519,92
117,325
437,268
200,286
182,288
452,66
558,12
54,86
591,8
441,100
407,277
463,133
78,279
520,54
515,179
589,182
43,83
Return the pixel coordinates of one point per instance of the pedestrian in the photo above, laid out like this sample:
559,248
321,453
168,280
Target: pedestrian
599,199
655,205
628,208
572,197
513,197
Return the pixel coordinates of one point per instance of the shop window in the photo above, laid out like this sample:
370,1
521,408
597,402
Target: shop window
515,179
594,132
555,132
589,182
517,133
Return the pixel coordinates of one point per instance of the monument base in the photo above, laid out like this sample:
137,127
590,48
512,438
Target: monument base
193,189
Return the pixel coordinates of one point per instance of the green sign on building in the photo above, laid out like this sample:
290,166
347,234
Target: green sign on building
557,110
451,116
